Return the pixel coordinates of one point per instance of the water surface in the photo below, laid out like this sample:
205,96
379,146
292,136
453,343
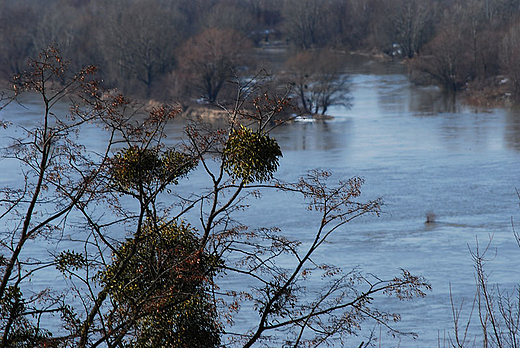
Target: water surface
421,151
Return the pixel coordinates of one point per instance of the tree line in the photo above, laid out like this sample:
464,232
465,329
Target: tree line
183,49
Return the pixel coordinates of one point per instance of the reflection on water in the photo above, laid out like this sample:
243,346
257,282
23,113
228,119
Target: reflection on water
321,136
433,101
512,129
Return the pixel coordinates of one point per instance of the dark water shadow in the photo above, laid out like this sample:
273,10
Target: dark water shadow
432,101
512,128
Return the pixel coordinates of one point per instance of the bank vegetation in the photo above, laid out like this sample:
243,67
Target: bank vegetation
190,50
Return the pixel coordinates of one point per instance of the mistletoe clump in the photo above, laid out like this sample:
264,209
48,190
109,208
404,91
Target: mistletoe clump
168,265
251,156
133,167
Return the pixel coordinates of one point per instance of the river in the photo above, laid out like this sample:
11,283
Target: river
421,151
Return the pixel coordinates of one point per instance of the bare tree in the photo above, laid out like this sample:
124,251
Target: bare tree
61,24
411,24
56,177
230,14
449,60
211,59
305,22
318,80
17,26
141,42
498,310
510,56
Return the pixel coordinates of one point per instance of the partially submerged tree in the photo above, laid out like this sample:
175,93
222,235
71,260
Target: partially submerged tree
448,58
318,81
144,262
465,48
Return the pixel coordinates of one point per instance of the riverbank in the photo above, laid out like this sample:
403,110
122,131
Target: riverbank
492,92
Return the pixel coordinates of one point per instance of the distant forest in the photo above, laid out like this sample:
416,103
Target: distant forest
168,49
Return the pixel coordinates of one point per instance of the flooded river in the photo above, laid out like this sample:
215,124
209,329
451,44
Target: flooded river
421,151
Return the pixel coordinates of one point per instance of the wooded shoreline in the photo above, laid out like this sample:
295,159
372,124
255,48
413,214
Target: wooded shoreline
163,50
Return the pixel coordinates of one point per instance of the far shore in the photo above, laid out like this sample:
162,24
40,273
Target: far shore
490,93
